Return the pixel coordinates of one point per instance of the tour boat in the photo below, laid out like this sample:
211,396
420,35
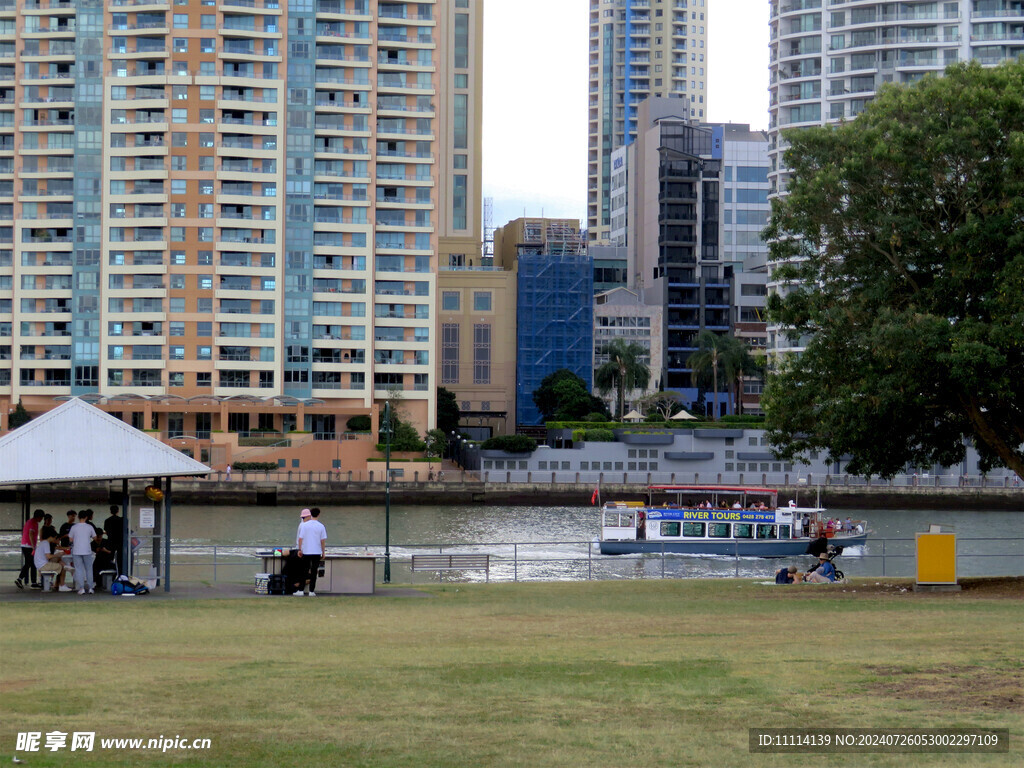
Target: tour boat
713,520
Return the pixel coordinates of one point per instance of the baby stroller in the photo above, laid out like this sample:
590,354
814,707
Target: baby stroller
832,553
128,585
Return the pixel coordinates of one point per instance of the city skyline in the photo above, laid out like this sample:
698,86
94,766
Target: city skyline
535,122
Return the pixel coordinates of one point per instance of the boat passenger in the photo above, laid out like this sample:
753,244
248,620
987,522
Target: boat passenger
737,505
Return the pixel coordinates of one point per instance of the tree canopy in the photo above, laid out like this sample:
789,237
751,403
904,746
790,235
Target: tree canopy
563,395
447,411
902,244
624,371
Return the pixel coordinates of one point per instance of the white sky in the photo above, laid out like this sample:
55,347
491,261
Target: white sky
536,87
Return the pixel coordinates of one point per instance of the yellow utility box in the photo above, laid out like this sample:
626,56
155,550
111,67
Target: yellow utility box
936,557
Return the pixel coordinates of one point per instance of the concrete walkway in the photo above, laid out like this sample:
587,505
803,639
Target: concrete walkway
184,590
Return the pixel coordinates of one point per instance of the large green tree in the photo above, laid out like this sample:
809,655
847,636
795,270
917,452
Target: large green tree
564,395
624,371
902,236
447,411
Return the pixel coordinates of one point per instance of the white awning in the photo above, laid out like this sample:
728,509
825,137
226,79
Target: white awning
77,441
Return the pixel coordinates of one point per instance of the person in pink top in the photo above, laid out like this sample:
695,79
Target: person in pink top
29,537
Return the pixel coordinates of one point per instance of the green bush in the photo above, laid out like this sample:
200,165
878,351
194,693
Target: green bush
745,419
577,435
599,436
510,444
654,416
254,466
597,418
358,424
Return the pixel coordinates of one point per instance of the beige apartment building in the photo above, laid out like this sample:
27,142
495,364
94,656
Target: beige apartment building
220,218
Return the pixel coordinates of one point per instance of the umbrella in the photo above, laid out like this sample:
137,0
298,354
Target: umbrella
684,416
633,415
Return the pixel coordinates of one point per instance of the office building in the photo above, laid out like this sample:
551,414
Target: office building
694,197
240,202
827,62
638,49
554,303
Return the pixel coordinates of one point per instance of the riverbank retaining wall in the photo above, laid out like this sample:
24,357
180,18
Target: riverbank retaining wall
464,491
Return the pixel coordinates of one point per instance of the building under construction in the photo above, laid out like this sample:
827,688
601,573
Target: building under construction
554,306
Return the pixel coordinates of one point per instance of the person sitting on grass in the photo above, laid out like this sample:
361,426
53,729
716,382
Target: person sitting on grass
825,573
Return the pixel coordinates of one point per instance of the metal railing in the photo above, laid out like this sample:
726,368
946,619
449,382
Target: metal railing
582,561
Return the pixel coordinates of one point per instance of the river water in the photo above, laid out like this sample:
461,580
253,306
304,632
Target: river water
548,543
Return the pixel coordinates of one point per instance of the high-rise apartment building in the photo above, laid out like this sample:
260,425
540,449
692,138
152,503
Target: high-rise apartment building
638,48
237,199
828,60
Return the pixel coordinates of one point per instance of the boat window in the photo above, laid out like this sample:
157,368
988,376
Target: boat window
784,532
719,531
693,529
669,529
743,531
766,531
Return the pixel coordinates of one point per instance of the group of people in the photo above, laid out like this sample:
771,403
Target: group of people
302,565
79,544
823,573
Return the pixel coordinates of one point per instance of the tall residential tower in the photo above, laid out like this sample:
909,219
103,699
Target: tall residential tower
241,198
638,48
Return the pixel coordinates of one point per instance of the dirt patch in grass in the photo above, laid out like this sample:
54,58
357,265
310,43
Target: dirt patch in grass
997,587
962,687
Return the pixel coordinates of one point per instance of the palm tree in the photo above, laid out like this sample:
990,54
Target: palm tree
623,371
708,361
738,362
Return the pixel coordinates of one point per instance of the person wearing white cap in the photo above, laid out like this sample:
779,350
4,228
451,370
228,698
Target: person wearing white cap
312,545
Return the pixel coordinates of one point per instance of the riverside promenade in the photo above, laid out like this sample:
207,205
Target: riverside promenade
467,488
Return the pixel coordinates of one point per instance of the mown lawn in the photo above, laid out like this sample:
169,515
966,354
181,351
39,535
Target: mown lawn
602,674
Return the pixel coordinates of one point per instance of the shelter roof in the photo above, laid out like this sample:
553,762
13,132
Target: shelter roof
77,441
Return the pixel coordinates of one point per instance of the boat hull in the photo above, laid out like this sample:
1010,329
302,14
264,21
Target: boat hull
741,547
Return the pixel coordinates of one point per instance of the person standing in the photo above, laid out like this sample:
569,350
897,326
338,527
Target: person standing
72,519
114,528
82,536
312,547
29,537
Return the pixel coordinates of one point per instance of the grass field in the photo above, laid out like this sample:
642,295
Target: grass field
602,674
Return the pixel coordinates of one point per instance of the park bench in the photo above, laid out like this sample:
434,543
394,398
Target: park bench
452,563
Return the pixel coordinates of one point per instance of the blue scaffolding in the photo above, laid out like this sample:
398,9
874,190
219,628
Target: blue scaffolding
555,323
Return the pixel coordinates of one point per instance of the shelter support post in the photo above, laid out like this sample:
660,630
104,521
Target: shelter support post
126,530
167,537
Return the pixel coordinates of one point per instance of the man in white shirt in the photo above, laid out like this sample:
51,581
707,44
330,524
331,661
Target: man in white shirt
312,546
48,561
82,535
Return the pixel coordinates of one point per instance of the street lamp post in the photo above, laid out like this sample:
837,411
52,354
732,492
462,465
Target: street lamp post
387,493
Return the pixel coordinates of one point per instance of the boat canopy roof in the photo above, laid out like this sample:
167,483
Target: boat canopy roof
712,489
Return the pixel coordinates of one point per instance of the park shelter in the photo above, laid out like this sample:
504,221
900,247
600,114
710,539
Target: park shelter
683,416
78,442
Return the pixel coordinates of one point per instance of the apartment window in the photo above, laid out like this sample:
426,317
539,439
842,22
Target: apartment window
481,353
450,353
450,301
459,202
462,40
179,115
481,301
461,131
